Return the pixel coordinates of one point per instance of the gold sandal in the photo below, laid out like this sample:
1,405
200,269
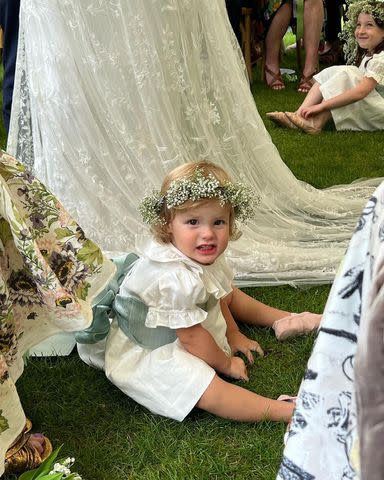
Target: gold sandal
22,456
280,119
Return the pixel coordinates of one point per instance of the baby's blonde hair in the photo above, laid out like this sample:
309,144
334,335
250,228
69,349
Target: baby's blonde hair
188,170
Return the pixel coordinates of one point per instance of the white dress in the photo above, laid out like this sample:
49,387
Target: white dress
179,293
366,114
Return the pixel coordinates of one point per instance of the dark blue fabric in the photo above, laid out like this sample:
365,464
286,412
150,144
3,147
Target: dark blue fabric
9,22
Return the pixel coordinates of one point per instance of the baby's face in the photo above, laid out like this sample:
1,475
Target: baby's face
201,233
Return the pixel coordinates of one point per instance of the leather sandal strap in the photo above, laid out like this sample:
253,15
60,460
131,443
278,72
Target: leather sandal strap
276,76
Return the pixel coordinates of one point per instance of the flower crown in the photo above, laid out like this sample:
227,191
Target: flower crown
371,7
240,196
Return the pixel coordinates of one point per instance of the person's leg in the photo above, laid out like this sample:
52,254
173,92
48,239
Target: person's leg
236,403
249,310
320,120
276,32
313,97
285,324
313,23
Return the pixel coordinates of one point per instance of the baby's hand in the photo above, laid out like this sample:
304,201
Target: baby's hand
240,343
237,369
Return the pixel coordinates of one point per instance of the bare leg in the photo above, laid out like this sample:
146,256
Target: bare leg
248,310
320,120
231,401
273,39
313,97
313,23
313,123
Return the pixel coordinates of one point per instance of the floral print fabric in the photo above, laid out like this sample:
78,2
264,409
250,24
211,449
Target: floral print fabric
49,274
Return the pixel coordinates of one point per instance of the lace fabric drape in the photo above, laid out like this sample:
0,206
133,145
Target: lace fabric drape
111,95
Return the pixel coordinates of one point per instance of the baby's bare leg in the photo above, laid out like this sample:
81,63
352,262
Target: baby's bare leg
236,403
248,310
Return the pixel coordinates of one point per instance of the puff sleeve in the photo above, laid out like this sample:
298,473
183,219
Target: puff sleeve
375,68
176,300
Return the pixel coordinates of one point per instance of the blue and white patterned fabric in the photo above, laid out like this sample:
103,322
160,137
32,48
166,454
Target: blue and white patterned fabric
323,440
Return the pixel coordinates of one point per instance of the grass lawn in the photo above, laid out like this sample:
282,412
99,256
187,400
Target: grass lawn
113,438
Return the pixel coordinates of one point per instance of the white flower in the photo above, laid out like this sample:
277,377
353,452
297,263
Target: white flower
59,468
240,196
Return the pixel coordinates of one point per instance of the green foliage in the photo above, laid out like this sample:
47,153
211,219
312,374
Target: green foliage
90,253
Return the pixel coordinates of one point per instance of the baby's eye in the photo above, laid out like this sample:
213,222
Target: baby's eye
220,222
192,221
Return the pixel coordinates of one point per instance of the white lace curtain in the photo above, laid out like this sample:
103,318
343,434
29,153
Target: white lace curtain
112,94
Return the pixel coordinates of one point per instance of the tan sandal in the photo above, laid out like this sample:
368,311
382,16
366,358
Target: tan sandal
280,119
23,455
277,80
302,124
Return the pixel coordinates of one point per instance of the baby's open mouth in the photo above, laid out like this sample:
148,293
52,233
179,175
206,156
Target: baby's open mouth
206,248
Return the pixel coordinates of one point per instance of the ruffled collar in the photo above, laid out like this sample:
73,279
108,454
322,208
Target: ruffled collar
217,278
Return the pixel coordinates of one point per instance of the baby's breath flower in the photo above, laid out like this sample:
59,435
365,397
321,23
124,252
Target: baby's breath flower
242,198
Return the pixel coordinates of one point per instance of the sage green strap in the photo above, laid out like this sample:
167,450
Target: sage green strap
131,313
102,305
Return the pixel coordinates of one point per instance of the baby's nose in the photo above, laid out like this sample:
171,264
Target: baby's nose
207,232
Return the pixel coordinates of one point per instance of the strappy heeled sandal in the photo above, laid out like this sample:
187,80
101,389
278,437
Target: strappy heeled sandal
306,82
277,80
22,455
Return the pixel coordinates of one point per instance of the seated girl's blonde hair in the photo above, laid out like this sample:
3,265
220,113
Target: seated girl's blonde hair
188,170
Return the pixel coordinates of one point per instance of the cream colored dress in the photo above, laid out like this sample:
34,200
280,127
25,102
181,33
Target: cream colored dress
179,293
366,114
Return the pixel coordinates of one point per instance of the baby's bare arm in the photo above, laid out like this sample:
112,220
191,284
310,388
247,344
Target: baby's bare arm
199,342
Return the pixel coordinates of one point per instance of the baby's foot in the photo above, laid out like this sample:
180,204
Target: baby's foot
296,324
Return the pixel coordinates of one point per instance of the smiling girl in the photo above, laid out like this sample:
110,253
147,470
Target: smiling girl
179,354
352,96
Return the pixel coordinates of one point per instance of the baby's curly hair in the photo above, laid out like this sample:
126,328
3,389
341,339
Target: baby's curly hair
188,170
